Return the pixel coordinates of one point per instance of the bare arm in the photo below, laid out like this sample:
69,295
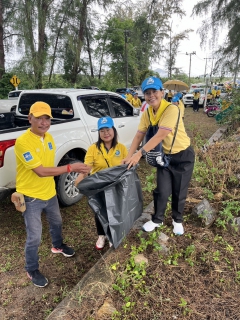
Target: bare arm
80,177
135,144
152,143
56,171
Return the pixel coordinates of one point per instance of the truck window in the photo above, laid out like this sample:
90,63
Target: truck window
61,105
95,106
14,94
121,107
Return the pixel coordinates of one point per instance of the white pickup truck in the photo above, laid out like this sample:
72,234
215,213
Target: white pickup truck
74,128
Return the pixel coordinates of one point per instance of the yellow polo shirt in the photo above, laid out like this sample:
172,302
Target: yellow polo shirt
136,103
214,93
32,151
181,107
95,158
168,121
129,97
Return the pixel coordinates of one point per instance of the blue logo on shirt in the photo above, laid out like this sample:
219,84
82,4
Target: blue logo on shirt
117,153
27,156
50,145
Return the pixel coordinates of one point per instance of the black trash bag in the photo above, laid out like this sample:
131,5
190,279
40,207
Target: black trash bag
115,195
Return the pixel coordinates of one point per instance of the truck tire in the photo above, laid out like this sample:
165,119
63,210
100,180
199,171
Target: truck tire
67,193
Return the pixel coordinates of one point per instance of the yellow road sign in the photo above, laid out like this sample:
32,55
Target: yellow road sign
15,81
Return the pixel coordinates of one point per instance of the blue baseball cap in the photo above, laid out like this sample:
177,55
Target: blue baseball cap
175,98
128,90
105,122
152,83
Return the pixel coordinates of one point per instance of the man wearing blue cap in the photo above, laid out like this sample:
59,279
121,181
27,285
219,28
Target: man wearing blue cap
174,179
178,102
129,95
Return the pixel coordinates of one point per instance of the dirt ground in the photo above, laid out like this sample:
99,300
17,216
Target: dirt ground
21,300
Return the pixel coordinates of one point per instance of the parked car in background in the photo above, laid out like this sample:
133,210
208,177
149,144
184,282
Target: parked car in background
223,93
123,90
188,97
138,89
90,87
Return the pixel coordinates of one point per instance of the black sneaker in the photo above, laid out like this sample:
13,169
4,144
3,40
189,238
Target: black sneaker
37,278
65,250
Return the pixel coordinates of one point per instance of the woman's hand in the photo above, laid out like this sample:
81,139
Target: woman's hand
80,177
135,158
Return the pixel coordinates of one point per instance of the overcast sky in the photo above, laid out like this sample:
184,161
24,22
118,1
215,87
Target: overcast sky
193,44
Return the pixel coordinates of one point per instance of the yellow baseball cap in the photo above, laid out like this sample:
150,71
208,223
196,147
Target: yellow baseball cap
40,108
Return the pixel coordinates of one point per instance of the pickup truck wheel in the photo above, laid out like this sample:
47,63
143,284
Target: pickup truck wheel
67,193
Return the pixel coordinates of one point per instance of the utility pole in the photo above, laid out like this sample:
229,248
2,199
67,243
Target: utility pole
211,72
126,56
170,53
192,53
206,67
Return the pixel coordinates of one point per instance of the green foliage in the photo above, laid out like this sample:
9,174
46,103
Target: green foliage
150,181
233,117
226,216
5,85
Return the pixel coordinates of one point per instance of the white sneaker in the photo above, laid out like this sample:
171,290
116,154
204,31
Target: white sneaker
178,228
150,226
100,242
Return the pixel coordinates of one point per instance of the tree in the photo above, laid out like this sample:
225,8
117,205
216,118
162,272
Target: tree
172,49
222,13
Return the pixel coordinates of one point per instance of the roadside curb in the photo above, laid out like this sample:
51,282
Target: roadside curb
96,281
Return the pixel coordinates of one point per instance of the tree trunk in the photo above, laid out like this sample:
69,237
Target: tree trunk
80,39
101,60
57,38
89,54
2,55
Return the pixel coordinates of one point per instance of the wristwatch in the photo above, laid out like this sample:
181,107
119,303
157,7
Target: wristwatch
143,152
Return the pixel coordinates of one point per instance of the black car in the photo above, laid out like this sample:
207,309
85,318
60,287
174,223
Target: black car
123,90
91,88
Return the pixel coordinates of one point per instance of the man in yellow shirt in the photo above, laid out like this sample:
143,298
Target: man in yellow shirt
175,179
35,152
218,92
129,95
136,102
177,101
169,96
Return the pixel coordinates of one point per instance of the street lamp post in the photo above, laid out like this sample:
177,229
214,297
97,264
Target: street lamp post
194,52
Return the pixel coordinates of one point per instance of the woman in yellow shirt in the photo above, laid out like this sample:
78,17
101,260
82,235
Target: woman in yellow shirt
136,102
106,152
174,179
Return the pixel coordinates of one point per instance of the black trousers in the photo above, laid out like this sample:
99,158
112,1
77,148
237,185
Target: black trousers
100,230
195,105
174,181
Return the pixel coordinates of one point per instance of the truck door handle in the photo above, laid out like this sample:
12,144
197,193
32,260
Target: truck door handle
94,130
121,125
